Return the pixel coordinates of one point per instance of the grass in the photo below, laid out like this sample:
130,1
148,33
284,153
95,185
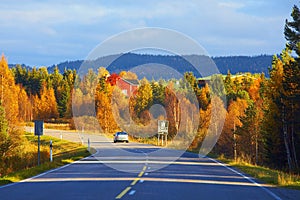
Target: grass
266,175
64,152
57,126
152,141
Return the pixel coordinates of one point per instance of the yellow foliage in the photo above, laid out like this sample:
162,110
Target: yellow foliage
8,92
45,107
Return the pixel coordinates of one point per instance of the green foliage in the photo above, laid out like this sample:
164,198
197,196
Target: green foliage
144,97
292,30
217,85
158,90
4,137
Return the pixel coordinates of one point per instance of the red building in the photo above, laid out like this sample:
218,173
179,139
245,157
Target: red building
128,86
112,79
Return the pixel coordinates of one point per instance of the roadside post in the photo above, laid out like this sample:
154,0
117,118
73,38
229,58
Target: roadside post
89,144
38,130
163,126
51,154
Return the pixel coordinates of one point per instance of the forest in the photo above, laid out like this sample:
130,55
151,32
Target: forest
126,61
261,114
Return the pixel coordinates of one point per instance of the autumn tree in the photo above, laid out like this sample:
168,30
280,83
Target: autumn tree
274,150
229,141
8,92
282,103
45,106
171,105
143,101
103,105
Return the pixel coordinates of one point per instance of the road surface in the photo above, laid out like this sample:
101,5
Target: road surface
139,171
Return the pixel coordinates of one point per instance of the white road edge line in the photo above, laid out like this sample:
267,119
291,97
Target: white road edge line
47,172
248,178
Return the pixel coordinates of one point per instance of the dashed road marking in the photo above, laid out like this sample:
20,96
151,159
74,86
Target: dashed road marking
134,182
123,193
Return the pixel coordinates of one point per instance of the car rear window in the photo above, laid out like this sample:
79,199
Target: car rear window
122,133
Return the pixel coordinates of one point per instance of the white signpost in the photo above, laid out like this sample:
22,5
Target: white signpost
163,126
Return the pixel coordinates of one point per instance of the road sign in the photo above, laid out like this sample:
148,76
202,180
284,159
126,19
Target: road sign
38,130
38,127
163,126
162,131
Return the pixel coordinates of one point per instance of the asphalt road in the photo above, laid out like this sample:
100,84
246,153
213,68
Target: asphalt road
139,171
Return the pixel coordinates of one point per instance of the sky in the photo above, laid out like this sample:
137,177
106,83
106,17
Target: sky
43,33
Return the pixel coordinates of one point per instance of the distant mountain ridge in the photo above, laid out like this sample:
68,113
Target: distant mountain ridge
127,61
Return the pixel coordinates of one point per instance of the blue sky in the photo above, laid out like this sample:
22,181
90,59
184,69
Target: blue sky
42,33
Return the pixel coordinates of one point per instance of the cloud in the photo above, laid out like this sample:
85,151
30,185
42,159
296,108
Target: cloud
242,26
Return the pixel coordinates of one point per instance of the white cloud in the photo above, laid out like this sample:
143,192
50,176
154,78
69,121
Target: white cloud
212,23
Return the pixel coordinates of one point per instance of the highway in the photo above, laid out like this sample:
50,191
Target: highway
140,171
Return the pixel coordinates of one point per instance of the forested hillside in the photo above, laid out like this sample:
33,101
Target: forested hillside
235,64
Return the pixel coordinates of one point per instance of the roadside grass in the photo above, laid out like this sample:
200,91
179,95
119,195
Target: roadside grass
264,174
64,152
152,140
56,126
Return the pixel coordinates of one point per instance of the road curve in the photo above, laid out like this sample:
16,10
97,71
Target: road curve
139,171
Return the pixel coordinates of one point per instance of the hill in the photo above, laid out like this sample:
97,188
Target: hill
117,63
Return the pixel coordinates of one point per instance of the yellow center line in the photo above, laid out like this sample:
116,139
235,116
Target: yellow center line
135,180
132,183
144,169
141,174
123,193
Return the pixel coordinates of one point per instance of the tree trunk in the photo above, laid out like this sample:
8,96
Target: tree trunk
293,140
285,137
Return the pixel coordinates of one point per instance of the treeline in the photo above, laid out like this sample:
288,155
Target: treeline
125,62
48,95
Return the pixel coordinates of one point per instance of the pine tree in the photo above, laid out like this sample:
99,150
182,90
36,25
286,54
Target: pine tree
292,30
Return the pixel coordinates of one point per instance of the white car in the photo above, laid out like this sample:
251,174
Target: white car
121,137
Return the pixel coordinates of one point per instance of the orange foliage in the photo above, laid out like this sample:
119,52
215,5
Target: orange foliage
45,107
8,92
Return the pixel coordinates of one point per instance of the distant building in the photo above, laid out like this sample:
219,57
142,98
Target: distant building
112,79
128,86
203,81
